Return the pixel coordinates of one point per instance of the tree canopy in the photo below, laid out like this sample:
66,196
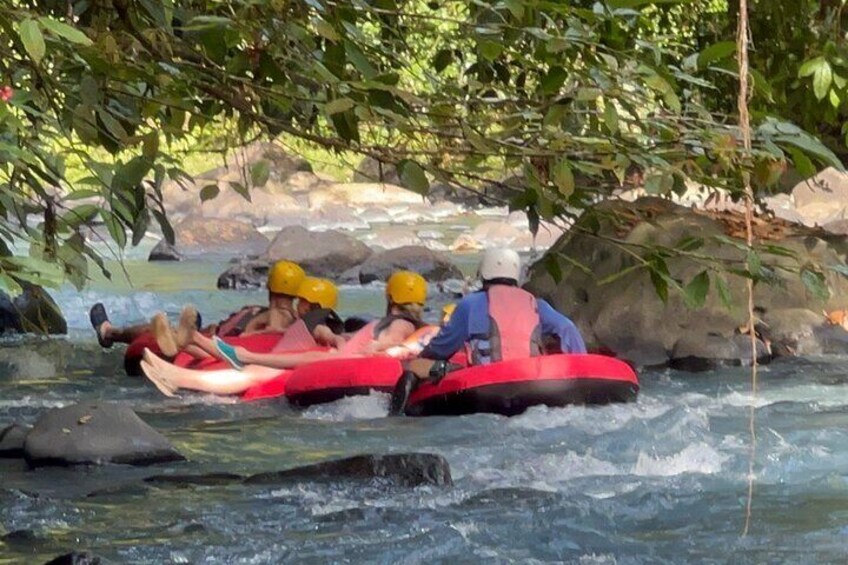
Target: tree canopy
574,96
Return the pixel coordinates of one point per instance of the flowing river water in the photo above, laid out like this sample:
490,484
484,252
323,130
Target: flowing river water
660,480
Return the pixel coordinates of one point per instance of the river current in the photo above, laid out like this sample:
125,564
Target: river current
661,480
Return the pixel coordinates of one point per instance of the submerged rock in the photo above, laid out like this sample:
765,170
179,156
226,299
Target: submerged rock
12,440
404,469
76,558
434,266
625,316
32,311
95,433
199,237
713,351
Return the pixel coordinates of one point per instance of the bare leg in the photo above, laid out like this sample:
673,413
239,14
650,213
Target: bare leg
228,381
123,335
283,360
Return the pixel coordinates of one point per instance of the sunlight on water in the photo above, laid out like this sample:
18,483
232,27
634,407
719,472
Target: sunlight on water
660,480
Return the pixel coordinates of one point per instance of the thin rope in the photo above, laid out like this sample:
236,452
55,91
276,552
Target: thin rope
745,128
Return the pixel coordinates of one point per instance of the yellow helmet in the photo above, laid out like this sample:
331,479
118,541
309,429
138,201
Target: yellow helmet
285,278
319,291
406,287
447,312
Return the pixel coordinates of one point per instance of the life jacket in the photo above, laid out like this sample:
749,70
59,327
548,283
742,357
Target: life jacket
371,331
237,322
326,317
514,327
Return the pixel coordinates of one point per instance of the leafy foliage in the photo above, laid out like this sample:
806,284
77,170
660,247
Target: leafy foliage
578,97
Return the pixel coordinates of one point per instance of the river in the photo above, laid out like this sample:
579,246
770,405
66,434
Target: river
660,480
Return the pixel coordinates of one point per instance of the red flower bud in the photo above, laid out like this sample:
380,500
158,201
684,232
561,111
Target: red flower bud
6,93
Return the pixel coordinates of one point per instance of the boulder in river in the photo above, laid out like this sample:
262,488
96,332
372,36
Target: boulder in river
434,266
625,316
196,237
321,254
12,439
371,170
32,311
404,469
95,433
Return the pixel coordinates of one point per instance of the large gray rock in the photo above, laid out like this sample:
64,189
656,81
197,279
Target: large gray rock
12,440
405,469
371,170
197,237
625,315
32,311
321,254
326,253
95,433
434,266
711,351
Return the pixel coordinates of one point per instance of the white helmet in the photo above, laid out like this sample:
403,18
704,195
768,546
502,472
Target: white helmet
500,264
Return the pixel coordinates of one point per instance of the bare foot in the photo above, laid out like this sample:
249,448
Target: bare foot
187,326
164,335
153,374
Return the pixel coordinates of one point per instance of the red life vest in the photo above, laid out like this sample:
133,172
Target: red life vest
515,327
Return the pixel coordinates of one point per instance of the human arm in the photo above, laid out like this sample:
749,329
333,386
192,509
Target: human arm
452,337
554,323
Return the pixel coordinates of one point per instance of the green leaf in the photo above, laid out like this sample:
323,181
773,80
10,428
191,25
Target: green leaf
835,101
338,105
695,293
780,251
165,225
490,50
326,30
802,163
209,192
553,80
240,188
553,267
660,285
442,59
113,126
716,52
10,286
412,177
150,146
139,228
563,177
822,79
62,29
32,39
810,67
516,8
116,229
129,175
611,117
260,172
815,283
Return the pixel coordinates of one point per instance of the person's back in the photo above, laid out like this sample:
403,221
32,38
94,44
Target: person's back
500,322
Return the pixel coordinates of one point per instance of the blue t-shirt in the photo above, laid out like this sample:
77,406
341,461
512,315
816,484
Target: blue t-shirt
471,319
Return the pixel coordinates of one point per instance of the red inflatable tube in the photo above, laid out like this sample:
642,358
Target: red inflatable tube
326,381
510,387
274,388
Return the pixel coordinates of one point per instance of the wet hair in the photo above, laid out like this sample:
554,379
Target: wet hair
414,311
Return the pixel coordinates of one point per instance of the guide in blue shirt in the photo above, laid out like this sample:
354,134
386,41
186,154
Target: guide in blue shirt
499,323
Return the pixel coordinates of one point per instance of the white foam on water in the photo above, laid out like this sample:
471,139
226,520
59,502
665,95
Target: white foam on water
375,405
595,420
696,458
34,402
595,559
